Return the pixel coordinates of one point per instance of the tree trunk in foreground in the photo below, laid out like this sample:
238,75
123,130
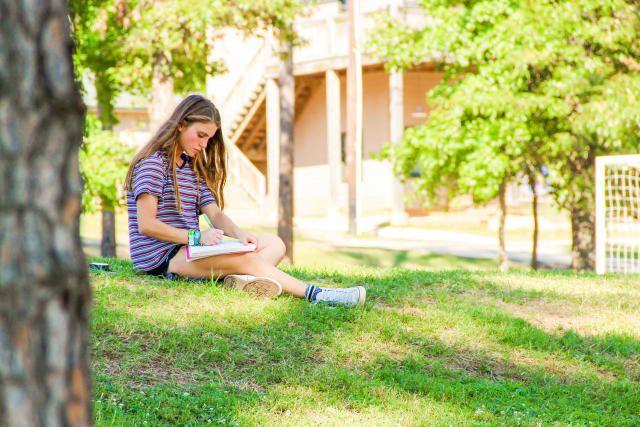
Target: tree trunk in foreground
44,292
502,251
534,205
583,248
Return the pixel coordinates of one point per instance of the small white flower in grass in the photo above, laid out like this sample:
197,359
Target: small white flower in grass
185,394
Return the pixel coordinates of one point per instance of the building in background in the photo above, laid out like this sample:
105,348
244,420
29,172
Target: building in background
248,98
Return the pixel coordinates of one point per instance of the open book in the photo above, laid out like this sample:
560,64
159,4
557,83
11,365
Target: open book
224,247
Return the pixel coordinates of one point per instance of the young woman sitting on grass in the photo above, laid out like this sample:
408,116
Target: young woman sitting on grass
178,175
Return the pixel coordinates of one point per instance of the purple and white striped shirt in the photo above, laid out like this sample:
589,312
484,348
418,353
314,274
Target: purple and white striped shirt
152,176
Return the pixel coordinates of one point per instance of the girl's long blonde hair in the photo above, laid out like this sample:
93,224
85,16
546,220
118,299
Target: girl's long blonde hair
213,167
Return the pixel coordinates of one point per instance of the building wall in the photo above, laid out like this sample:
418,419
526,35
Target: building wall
311,173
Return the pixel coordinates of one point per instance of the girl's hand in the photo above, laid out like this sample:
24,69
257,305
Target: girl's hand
212,236
247,238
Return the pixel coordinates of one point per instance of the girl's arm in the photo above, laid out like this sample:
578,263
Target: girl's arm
150,225
224,223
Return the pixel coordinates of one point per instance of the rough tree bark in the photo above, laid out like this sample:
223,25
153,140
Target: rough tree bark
583,250
44,292
285,201
502,251
108,242
581,207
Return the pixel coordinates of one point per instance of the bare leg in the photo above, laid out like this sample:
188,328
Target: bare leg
254,263
271,248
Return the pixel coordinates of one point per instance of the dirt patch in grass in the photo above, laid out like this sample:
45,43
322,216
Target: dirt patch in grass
484,366
412,311
148,367
552,316
137,374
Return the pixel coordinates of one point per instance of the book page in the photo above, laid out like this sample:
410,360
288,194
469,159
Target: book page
224,247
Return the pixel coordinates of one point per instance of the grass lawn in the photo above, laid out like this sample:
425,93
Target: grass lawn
456,347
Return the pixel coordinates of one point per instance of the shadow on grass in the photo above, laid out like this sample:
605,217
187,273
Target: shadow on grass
237,368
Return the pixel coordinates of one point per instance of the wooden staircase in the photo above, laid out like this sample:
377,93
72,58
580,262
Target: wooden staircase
249,133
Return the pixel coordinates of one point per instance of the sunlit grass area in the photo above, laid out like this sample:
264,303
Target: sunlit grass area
454,347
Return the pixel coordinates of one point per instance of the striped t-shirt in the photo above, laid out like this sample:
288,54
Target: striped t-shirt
152,176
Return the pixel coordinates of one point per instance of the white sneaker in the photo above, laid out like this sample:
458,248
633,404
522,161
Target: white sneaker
349,297
261,286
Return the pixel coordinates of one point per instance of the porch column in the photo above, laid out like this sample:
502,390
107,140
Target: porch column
273,142
334,146
354,119
396,129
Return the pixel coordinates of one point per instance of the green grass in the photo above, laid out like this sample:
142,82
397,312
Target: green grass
455,347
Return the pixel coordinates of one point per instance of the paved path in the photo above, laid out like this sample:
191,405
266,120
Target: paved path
551,253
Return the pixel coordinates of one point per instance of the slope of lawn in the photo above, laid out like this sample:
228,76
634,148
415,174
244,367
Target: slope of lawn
455,347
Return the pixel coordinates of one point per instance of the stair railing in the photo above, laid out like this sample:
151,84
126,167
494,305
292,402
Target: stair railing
247,85
234,107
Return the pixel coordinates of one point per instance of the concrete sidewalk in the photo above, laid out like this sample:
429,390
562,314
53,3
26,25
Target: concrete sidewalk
551,253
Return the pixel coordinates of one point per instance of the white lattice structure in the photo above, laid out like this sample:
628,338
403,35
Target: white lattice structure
618,214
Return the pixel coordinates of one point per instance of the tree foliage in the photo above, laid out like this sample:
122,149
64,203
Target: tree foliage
525,83
104,161
121,41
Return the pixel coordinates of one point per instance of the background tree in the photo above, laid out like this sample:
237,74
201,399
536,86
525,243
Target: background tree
555,80
99,28
104,161
44,292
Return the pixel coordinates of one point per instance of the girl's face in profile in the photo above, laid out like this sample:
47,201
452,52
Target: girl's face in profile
195,137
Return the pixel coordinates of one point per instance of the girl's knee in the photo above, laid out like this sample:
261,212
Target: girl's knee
280,246
274,242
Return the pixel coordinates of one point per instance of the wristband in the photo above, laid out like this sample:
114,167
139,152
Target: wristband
191,237
196,237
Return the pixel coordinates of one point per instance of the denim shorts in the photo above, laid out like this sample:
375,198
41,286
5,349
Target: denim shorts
161,270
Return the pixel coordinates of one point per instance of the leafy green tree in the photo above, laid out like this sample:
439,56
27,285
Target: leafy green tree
99,28
525,83
104,161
